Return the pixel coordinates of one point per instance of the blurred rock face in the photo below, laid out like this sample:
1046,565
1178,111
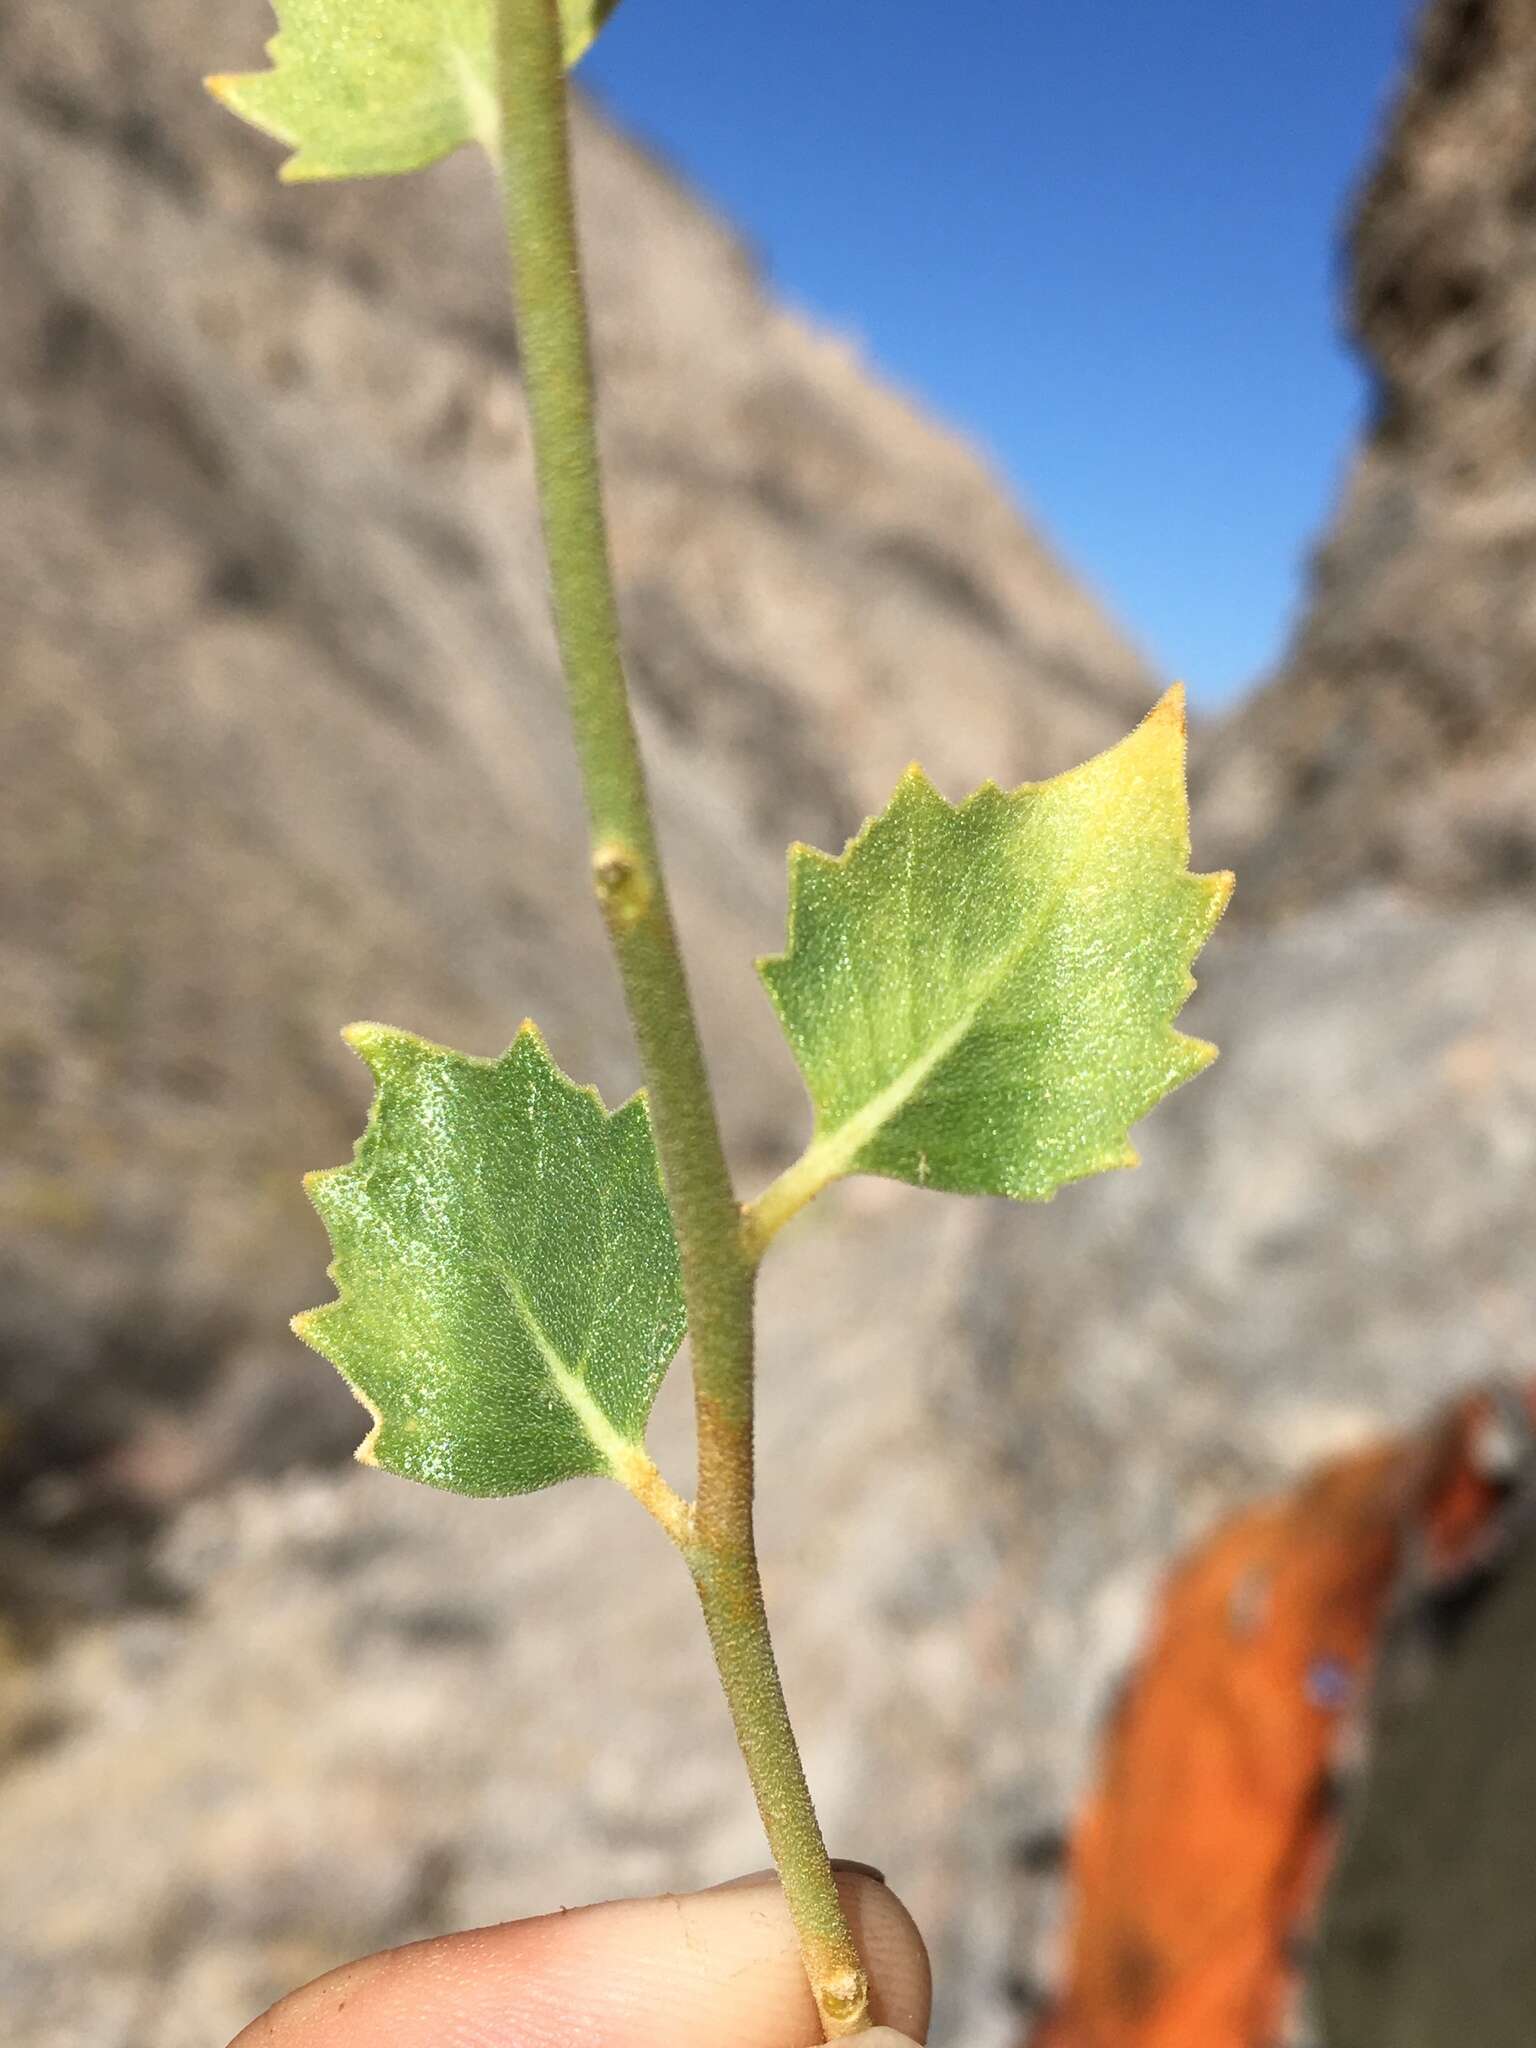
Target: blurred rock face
1398,742
292,752
288,740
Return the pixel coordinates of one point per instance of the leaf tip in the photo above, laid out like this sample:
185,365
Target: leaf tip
303,1324
801,852
319,1185
1200,1052
1172,708
917,784
531,1044
379,1045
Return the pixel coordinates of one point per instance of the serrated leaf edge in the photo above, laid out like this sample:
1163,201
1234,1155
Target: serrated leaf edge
831,1154
624,1458
481,109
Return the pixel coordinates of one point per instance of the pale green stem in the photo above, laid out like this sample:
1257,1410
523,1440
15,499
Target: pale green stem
762,1220
718,1268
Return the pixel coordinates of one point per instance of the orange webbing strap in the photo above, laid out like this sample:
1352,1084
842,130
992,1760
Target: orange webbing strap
1199,1857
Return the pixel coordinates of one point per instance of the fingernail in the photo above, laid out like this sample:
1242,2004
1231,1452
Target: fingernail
740,1884
845,1866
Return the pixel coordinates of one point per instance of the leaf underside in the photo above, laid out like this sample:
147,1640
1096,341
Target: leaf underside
510,1298
362,88
981,996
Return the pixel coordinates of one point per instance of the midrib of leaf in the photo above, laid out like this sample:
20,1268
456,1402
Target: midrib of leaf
617,1452
831,1153
836,1150
480,105
627,1462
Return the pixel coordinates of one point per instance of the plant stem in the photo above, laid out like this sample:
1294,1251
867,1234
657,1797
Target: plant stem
625,865
761,1220
718,1266
731,1595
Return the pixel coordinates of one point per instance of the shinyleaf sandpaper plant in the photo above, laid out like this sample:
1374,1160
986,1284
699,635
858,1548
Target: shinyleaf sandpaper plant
980,995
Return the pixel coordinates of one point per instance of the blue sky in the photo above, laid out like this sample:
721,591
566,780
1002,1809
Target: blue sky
1098,237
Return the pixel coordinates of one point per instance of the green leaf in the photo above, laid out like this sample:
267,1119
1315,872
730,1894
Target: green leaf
981,996
509,1288
360,88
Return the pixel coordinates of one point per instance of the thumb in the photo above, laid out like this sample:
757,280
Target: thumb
718,1969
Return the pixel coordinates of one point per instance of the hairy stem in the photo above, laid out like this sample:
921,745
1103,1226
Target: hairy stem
731,1595
717,1264
762,1219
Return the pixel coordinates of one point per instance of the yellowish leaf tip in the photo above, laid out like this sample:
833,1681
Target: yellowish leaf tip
801,852
1202,1049
378,1045
916,778
1172,708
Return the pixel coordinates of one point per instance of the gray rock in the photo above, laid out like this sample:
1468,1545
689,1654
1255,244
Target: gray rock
293,752
283,702
282,698
359,1713
1398,740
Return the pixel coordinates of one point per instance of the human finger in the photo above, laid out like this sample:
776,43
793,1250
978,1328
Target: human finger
718,1969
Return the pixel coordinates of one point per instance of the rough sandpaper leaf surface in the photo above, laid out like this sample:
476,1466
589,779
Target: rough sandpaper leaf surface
359,88
509,1290
981,996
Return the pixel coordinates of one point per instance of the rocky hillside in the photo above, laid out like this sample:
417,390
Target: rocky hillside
292,753
1398,742
286,749
285,741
